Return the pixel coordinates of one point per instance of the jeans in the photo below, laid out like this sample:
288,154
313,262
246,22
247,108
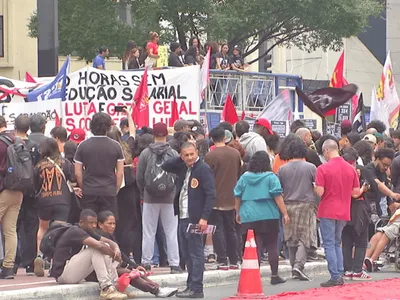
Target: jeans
331,231
298,256
225,239
350,239
193,253
27,228
152,213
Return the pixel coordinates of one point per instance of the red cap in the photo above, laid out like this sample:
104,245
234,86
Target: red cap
77,135
160,129
264,123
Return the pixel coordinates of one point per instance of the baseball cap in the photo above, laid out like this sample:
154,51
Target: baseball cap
160,129
228,136
370,138
77,135
181,124
198,130
264,123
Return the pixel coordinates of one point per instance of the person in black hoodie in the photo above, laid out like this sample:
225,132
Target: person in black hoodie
355,233
194,201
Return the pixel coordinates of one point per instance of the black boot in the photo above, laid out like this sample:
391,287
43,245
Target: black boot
7,273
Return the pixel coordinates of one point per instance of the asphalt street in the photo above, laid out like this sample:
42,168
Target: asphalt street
222,292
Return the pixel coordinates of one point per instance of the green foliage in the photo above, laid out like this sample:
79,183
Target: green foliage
86,25
309,24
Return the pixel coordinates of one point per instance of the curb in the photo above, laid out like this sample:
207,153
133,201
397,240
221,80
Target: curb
90,291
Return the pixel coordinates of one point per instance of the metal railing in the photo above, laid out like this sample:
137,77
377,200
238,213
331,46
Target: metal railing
249,91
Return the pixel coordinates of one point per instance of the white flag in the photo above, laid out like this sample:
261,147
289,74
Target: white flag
205,73
279,109
375,107
387,96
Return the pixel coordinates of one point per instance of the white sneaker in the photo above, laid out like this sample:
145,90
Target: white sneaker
166,292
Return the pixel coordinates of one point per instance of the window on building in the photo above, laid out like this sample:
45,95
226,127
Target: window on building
1,36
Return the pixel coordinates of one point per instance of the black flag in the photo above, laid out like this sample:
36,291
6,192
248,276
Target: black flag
359,120
324,100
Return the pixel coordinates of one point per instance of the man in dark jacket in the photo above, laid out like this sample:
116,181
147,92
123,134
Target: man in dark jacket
194,201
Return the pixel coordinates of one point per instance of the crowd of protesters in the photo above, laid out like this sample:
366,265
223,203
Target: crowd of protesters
134,195
135,57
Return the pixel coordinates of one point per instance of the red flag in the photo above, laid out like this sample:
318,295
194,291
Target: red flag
229,112
29,78
174,113
243,115
354,100
140,111
337,79
57,119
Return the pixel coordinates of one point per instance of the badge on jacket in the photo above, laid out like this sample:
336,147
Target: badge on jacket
194,183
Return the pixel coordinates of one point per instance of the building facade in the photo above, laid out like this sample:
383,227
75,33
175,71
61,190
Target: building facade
18,52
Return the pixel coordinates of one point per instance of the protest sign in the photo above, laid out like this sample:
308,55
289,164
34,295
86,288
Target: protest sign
91,90
162,60
280,127
310,123
343,112
48,109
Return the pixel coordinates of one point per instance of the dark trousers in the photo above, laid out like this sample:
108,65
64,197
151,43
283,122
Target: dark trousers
27,228
268,239
100,203
225,240
193,253
350,239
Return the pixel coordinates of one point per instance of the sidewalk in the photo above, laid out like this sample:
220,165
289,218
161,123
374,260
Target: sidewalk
32,288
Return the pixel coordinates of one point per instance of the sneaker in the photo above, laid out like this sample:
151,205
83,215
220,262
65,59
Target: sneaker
147,267
38,267
363,276
176,270
166,292
348,275
369,264
211,259
223,267
29,271
294,275
7,273
234,267
277,280
112,294
129,294
301,275
332,283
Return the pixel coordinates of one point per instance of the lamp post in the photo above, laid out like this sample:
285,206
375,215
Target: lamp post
48,44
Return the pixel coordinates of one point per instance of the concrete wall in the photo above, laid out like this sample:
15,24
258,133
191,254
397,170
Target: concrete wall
393,36
20,51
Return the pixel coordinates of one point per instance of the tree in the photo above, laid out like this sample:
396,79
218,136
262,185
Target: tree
307,24
86,25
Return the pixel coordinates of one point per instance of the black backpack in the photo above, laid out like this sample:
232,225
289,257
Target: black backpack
51,237
159,183
19,172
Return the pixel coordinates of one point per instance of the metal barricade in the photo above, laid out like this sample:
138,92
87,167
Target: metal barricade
249,91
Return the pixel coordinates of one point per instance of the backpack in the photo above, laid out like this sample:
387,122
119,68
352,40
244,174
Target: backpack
19,172
51,237
157,182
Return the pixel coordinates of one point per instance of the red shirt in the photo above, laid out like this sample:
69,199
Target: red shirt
154,46
338,178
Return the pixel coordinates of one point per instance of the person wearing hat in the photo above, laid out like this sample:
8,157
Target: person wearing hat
77,135
370,138
180,127
202,144
155,206
174,59
236,60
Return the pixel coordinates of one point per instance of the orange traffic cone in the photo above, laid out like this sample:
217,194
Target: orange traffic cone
250,285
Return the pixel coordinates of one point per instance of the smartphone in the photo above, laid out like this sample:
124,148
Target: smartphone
120,108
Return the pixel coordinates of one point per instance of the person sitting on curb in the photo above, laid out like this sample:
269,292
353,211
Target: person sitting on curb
106,224
381,239
80,251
